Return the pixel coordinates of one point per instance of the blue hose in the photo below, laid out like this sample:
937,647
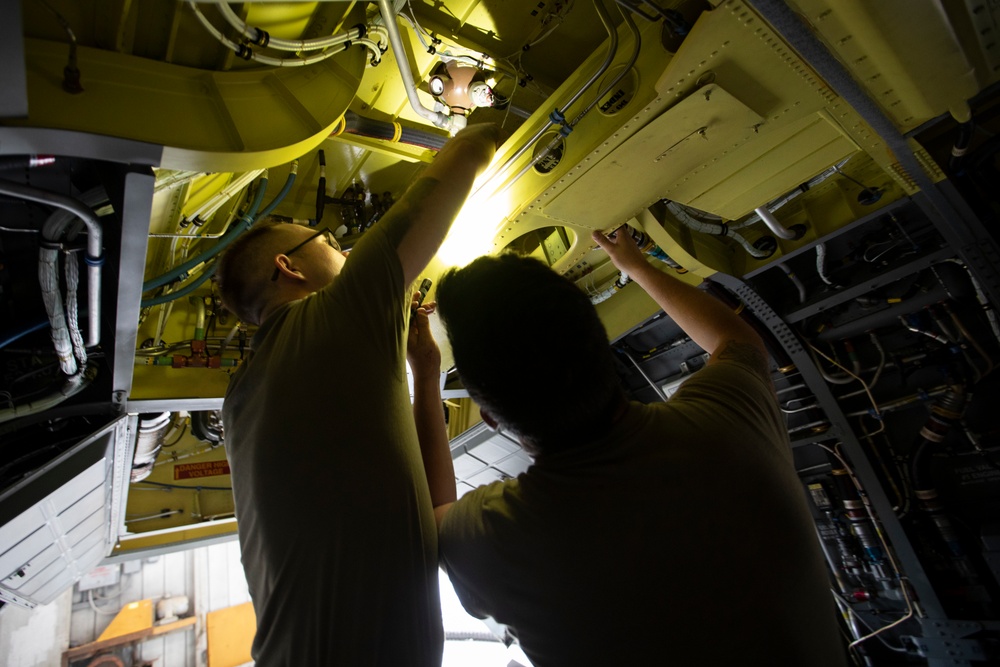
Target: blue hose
184,291
11,337
278,198
244,223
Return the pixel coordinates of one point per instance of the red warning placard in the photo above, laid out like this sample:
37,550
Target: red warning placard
206,469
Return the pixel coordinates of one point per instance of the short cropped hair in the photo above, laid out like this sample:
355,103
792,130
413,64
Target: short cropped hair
245,267
531,350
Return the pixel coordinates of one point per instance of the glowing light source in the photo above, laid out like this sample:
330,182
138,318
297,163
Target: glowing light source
476,226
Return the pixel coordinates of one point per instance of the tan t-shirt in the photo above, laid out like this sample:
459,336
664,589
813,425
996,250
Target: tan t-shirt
681,538
335,521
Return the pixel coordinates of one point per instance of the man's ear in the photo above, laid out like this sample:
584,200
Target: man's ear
287,268
488,419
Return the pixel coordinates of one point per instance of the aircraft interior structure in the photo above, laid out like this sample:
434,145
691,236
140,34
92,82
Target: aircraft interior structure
826,167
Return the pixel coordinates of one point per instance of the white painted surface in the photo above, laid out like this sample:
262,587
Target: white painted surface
35,637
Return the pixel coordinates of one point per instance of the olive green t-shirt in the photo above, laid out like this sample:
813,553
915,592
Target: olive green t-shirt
336,528
681,538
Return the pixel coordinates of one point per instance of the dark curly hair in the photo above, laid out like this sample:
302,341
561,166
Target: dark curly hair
531,350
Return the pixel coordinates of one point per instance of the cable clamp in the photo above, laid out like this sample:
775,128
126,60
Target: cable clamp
244,51
94,261
362,30
557,117
262,39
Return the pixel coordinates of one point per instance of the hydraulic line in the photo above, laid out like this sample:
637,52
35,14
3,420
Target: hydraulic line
774,205
559,115
244,223
843,379
245,52
854,508
619,283
905,321
945,413
656,387
885,550
776,227
795,281
204,212
262,38
178,293
878,369
435,117
719,229
95,235
903,402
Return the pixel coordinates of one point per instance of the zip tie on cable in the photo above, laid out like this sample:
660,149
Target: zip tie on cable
397,131
874,414
923,395
724,229
94,261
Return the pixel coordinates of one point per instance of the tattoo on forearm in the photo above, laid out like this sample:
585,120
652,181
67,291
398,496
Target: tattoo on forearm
402,215
749,355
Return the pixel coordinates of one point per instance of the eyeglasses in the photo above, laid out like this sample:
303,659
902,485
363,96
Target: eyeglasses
331,241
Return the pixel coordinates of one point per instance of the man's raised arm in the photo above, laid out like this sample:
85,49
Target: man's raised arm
425,212
428,413
708,321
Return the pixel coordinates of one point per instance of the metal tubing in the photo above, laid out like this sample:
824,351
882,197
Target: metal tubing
612,50
656,387
94,240
436,117
773,224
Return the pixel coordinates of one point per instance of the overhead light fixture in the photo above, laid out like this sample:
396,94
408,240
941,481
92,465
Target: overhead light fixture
460,88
